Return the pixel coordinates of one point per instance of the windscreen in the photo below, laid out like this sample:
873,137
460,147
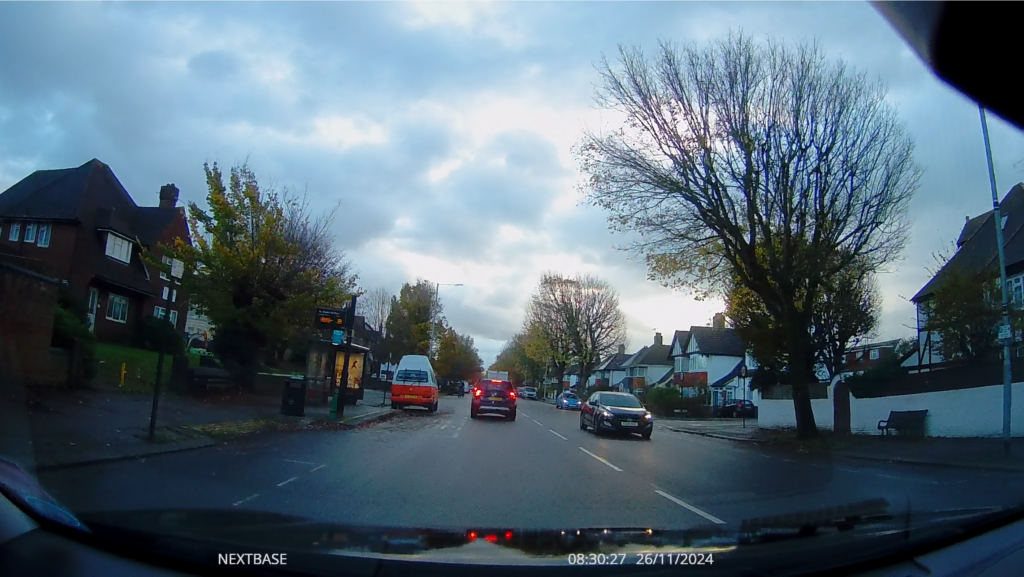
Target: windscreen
624,401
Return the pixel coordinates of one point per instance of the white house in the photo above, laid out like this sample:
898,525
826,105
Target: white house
647,366
610,373
715,355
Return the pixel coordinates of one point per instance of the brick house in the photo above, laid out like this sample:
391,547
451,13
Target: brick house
88,232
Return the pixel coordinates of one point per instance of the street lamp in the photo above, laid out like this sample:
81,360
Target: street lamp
743,375
433,313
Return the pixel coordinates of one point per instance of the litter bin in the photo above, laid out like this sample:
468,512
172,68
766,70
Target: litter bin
293,402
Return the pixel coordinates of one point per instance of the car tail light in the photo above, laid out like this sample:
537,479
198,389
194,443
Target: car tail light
491,538
512,395
472,535
477,393
508,535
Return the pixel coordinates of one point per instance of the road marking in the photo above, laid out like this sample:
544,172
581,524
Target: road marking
559,436
538,422
460,428
283,483
600,459
885,476
788,460
686,505
317,468
249,498
767,456
527,416
299,462
444,426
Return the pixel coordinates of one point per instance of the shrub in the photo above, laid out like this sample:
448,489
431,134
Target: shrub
153,334
70,326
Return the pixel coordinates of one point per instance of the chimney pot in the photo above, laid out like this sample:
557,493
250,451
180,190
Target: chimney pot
168,196
718,321
622,349
657,338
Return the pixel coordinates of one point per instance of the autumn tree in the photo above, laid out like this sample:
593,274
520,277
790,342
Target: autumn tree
259,267
408,323
739,147
457,356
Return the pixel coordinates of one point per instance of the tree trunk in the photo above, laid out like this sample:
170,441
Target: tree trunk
800,371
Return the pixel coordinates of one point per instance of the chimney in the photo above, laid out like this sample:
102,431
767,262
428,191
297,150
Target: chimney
718,321
657,338
622,349
168,196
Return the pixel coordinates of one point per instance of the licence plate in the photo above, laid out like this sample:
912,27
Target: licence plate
630,424
496,398
411,396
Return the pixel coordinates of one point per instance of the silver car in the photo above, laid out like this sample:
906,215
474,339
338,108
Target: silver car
528,393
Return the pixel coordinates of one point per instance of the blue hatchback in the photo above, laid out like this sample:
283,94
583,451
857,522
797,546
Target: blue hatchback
568,401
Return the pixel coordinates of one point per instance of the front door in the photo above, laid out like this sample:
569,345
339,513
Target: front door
94,297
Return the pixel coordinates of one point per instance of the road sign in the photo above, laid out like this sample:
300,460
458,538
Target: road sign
330,317
177,268
1005,334
337,337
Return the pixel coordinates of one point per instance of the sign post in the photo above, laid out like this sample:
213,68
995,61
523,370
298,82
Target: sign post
177,270
743,375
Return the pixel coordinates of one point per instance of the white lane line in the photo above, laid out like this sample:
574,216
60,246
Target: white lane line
525,415
283,483
686,505
885,476
600,459
299,462
249,498
557,435
317,468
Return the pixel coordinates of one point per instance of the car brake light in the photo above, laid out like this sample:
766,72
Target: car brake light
491,538
508,535
472,535
512,395
495,381
477,393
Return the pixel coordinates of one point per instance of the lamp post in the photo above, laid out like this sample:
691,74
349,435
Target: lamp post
743,375
433,313
1005,331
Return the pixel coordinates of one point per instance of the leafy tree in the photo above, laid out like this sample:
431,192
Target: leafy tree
849,308
758,164
457,356
258,265
964,313
408,322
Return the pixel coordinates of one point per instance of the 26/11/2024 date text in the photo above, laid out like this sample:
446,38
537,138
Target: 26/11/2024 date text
681,559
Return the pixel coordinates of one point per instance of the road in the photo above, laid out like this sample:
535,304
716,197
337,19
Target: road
446,470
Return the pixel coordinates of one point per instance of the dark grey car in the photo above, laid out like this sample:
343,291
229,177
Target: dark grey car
607,412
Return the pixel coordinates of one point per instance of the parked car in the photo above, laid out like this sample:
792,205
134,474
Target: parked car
610,412
494,397
568,400
528,393
739,408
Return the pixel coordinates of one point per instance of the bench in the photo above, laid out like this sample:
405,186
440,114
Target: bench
904,421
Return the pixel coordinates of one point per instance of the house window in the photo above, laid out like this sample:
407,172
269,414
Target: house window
873,355
167,261
681,364
119,247
43,238
15,233
117,308
166,292
174,318
30,232
697,364
1015,288
159,312
174,296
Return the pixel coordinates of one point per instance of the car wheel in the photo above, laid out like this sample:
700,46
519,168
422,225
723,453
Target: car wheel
647,435
583,426
394,405
472,414
512,416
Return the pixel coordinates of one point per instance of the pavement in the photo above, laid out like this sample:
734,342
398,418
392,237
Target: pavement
446,470
73,428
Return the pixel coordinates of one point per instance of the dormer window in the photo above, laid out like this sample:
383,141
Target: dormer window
119,247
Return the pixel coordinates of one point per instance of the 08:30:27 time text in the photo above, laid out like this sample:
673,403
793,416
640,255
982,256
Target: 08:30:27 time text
641,558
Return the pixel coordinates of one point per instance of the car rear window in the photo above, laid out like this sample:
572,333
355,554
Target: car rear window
503,386
412,376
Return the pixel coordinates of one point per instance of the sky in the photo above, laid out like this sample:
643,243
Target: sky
444,130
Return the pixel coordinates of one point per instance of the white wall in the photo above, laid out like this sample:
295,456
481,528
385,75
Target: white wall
779,414
974,412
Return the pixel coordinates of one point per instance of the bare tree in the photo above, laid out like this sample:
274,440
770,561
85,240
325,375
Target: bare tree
761,162
546,319
313,234
375,306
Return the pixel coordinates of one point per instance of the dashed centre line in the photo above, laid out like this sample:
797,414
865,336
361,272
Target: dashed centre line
600,459
283,483
690,507
317,468
557,435
538,422
299,462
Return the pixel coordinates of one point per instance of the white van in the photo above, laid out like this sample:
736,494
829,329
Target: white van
414,384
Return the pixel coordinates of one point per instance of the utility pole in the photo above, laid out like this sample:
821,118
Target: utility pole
1006,335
